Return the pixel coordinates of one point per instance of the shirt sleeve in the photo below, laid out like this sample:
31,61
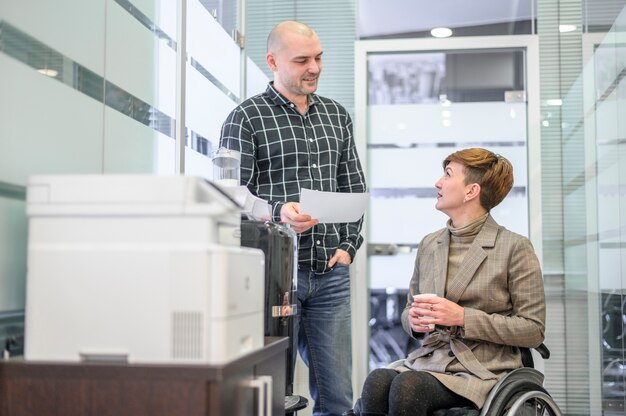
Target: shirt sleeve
237,134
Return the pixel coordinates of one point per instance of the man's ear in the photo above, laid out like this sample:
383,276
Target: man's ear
271,61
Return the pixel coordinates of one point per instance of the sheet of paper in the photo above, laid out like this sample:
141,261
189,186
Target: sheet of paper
333,206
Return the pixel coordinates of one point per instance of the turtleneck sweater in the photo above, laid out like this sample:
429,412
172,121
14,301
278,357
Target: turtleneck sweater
460,241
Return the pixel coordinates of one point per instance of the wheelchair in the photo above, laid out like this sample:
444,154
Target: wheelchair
519,393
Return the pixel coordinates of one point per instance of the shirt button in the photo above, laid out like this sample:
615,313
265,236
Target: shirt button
311,140
450,354
314,165
318,242
291,105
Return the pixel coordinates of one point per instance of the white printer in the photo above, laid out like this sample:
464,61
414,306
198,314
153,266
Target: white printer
136,268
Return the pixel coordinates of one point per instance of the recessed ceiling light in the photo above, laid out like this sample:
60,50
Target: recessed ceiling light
554,101
443,100
567,28
441,32
48,72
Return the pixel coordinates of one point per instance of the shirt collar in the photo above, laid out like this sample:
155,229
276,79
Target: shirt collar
279,99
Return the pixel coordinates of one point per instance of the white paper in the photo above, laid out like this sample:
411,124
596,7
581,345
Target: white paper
333,206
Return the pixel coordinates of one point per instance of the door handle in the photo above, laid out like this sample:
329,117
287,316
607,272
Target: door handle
263,386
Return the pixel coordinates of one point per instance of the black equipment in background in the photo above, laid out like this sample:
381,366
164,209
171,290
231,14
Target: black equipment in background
278,242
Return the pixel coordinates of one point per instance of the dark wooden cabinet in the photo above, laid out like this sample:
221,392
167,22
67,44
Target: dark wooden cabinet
91,389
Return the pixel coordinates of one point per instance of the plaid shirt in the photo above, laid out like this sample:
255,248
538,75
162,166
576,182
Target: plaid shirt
283,151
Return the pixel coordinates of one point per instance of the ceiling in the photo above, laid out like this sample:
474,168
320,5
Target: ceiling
380,18
407,17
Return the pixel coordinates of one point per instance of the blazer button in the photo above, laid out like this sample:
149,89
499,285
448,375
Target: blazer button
450,353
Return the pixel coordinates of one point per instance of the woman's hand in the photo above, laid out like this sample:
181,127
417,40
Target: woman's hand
418,321
435,310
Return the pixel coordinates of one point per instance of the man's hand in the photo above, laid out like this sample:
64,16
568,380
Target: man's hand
290,214
341,257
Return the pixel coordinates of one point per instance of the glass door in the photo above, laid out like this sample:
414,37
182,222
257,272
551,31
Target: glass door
421,101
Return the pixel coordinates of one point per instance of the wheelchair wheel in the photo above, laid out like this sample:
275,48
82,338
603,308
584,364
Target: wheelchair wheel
535,403
523,398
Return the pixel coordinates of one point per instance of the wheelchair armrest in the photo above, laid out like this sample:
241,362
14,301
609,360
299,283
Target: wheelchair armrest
543,351
527,357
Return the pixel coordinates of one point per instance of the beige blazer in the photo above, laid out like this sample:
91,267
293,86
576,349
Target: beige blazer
499,283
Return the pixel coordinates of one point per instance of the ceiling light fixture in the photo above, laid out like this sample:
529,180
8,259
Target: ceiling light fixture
443,100
554,101
567,28
441,32
48,72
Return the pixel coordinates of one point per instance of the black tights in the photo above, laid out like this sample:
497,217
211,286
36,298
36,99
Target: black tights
410,393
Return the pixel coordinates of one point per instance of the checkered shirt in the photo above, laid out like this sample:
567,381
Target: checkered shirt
283,151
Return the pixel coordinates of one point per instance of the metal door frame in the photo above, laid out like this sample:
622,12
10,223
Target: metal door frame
360,284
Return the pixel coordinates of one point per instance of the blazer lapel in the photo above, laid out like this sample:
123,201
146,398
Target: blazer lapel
441,263
473,259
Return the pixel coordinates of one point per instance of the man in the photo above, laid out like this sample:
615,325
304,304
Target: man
290,139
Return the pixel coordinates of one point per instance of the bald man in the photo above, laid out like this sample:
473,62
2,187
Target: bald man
292,139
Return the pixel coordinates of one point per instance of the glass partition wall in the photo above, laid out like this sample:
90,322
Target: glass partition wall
582,70
576,183
604,131
98,94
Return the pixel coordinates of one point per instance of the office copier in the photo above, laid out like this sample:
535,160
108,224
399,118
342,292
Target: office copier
139,268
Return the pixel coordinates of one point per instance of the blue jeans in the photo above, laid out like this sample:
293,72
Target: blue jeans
324,338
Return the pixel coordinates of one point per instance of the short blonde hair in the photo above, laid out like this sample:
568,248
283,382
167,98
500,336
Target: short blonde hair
494,173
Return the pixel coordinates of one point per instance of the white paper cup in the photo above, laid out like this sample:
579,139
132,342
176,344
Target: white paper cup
426,295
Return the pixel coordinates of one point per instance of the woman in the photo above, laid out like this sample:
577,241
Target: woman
489,298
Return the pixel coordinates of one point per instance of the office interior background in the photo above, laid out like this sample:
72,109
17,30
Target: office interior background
91,87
